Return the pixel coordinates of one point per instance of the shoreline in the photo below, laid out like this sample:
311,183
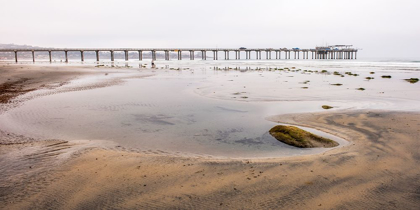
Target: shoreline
378,169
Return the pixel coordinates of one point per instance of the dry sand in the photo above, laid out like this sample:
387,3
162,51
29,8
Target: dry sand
378,170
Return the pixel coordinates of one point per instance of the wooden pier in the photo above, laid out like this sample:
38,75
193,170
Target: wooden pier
330,52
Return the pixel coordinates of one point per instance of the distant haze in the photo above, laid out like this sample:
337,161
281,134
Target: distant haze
382,28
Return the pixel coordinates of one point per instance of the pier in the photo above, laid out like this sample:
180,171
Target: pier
329,52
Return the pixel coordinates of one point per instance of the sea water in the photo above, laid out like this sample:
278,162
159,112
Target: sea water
211,108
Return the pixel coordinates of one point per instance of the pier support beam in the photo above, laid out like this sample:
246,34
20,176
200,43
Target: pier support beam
140,55
204,55
50,56
126,55
191,55
153,55
82,56
112,55
16,57
97,55
33,56
167,55
179,55
66,55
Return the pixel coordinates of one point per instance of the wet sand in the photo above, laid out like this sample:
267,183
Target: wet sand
378,170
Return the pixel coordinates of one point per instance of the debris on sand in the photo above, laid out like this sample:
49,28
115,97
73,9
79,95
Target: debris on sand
9,90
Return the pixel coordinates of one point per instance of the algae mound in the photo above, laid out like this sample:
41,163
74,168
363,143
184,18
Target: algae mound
412,80
327,107
297,137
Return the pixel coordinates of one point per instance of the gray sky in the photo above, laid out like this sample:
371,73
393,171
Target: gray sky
382,28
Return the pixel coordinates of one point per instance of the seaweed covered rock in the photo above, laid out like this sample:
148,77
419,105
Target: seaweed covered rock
327,107
297,137
412,80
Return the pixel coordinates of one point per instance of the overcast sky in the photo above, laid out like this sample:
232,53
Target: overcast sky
382,28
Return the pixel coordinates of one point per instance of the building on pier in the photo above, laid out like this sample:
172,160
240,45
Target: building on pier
335,52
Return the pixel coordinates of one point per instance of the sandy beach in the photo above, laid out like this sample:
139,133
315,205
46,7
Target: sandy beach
378,169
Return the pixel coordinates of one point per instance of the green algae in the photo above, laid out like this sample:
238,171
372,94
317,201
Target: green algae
412,80
327,107
297,137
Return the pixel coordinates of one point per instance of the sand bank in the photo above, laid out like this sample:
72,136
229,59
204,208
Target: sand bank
378,170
